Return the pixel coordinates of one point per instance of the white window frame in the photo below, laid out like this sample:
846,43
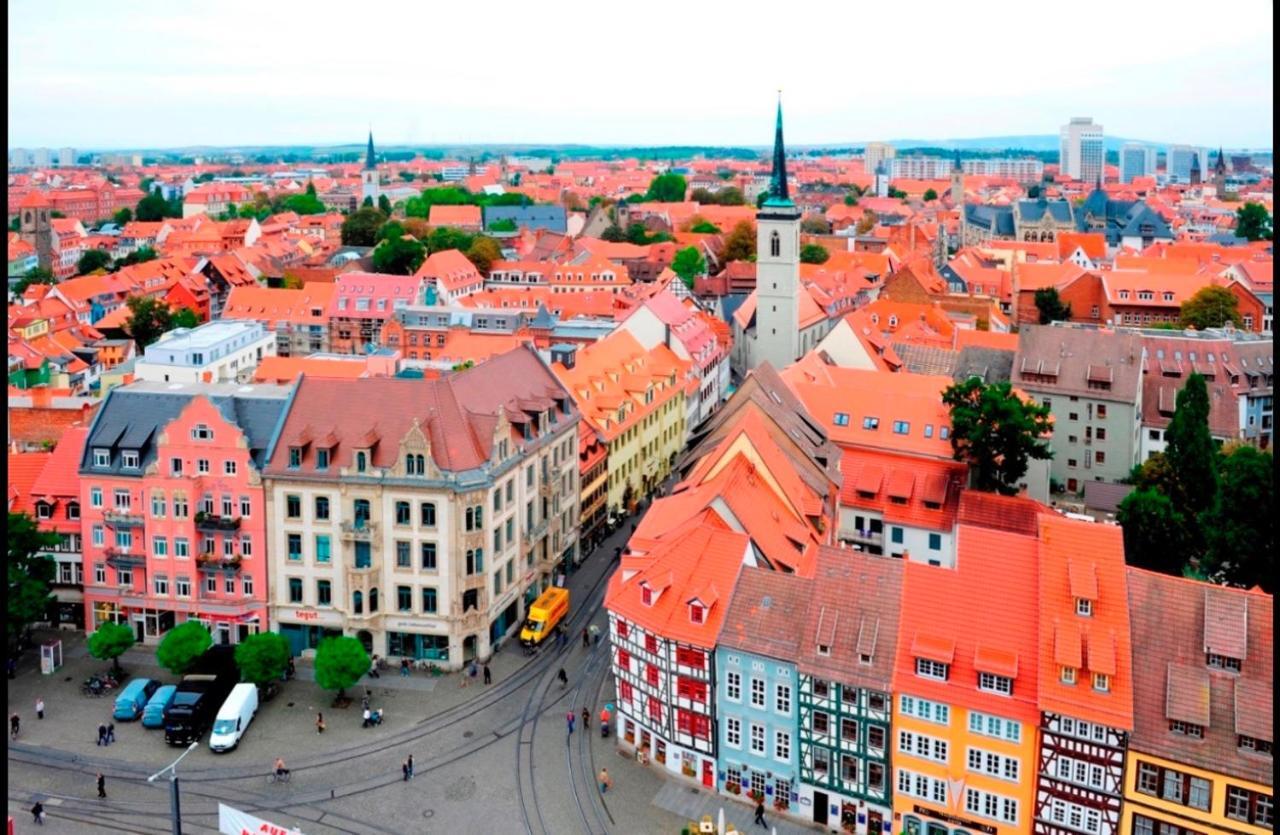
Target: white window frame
930,669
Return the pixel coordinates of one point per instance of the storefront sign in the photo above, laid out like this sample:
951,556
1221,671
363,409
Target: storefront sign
312,616
417,624
234,822
958,821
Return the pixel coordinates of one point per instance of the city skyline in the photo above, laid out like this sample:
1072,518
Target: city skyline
192,79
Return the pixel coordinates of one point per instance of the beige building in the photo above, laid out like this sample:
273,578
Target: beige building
424,520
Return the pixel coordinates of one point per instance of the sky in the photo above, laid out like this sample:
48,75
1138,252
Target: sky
165,73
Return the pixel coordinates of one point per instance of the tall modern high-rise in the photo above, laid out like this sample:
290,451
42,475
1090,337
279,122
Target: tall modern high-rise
41,158
66,157
874,154
1136,160
1180,159
1081,152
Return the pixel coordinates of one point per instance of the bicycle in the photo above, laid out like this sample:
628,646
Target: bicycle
279,777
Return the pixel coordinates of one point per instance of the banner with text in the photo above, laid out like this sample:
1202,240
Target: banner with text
234,822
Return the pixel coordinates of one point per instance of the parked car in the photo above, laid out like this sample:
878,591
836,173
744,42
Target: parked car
234,717
133,698
153,713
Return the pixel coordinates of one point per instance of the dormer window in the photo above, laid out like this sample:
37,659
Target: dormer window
992,683
1084,607
864,658
322,459
1186,729
1254,745
295,457
871,423
697,613
646,595
1102,682
362,460
1222,662
1067,675
200,432
129,459
824,649
841,419
928,668
101,457
44,510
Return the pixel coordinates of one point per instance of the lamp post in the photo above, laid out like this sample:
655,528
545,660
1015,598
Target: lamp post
173,787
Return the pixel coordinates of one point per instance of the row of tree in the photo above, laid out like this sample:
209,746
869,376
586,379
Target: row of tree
400,247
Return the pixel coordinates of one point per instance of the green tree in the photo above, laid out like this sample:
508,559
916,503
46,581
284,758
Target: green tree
815,225
408,176
361,227
814,254
93,259
184,318
996,432
1051,307
1155,533
850,200
688,264
614,234
897,194
182,646
35,275
1240,526
760,198
731,196
399,256
638,234
123,216
930,195
30,574
703,227
303,204
390,229
262,657
503,224
340,663
138,256
483,252
109,642
1190,450
446,237
1253,222
667,188
149,318
1033,192
15,223
741,243
384,203
1211,307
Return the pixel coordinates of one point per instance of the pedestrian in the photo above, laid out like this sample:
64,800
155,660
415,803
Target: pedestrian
473,671
586,718
102,785
595,634
404,667
410,761
319,723
568,717
12,666
586,638
404,769
364,702
488,676
37,812
111,732
367,717
603,779
102,734
14,721
760,814
564,677
373,668
617,552
39,707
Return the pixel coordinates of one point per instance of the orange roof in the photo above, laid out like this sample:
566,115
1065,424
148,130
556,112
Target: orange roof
990,565
24,469
1084,560
286,369
454,216
305,306
935,482
1094,244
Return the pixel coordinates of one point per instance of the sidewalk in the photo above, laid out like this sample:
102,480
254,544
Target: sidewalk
691,803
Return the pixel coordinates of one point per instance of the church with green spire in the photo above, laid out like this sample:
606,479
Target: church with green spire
369,176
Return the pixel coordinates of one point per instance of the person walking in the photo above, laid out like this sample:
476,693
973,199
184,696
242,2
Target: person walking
586,638
37,812
367,718
488,676
595,634
568,717
39,707
102,785
473,671
373,668
404,770
111,732
760,814
604,721
410,762
564,678
102,734
12,666
14,721
586,718
603,779
319,723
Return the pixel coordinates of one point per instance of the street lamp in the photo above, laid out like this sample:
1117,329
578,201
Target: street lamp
173,787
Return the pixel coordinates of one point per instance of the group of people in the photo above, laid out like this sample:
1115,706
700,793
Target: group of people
107,733
474,669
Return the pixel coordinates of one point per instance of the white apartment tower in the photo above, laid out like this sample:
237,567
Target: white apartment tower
1082,155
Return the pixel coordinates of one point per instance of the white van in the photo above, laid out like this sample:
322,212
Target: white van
234,717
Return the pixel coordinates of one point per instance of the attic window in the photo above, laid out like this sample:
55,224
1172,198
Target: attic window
200,432
864,658
901,427
1186,729
1102,682
646,595
1084,607
842,419
697,613
824,649
295,457
1222,662
129,459
871,423
1168,296
102,458
1067,675
928,668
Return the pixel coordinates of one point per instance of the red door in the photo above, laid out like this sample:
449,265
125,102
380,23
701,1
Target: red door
708,773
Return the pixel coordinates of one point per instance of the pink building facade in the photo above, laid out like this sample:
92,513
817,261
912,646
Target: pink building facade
173,515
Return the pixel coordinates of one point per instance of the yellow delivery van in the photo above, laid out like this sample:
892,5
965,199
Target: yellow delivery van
545,613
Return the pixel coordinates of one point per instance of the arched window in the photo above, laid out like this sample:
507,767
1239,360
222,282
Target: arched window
775,245
357,603
360,462
373,600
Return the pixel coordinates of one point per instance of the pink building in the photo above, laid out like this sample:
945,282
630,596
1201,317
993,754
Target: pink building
172,508
363,302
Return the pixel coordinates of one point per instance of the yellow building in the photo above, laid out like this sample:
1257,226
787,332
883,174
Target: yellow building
634,401
1200,757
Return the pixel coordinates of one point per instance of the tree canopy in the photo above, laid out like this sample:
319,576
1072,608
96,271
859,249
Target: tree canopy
361,227
814,254
154,207
741,243
1211,307
1240,526
30,575
123,216
340,663
303,204
262,657
728,196
384,203
996,432
1253,222
35,275
399,255
150,318
182,646
1191,452
667,188
614,234
1051,306
689,264
703,227
503,224
929,195
815,224
93,259
1154,532
483,252
110,641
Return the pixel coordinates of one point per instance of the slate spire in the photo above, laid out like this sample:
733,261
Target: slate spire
778,180
368,159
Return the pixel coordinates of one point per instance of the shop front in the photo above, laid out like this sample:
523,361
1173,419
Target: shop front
305,628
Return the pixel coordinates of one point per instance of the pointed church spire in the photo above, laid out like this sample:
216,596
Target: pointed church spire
1221,166
956,165
778,180
368,159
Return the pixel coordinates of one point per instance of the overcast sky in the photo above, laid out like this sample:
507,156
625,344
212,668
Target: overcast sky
161,73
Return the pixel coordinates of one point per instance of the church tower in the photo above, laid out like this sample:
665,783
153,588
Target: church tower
35,226
1220,173
778,267
882,179
369,176
957,184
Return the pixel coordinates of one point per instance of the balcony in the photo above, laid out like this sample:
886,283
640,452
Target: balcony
208,522
121,519
218,561
870,537
359,531
123,559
